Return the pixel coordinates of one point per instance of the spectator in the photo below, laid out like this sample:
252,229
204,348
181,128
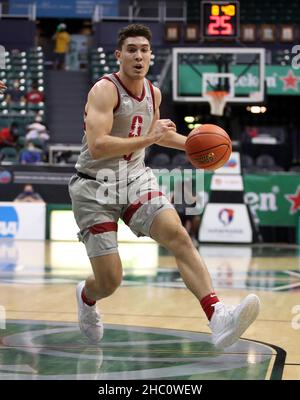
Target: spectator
8,136
30,155
2,86
37,130
37,125
15,94
29,194
32,135
62,42
34,96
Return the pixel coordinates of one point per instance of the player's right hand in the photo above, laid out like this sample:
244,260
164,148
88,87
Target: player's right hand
160,128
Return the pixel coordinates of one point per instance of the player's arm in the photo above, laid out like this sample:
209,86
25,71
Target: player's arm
171,138
102,100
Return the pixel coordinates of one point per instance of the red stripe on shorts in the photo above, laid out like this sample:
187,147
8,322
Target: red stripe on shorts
136,205
103,227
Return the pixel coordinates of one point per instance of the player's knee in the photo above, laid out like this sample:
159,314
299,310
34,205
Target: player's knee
178,239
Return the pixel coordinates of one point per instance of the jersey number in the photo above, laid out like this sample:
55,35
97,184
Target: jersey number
135,130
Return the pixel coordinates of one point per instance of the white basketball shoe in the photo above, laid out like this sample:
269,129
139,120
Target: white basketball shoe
228,323
89,319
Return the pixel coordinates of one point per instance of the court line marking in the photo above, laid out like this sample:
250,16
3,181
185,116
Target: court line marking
194,368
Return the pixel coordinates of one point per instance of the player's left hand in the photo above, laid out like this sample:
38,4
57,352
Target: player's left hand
169,131
171,124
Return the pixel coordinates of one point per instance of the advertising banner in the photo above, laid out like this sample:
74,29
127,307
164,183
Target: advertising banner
274,198
280,79
227,183
22,220
226,223
232,166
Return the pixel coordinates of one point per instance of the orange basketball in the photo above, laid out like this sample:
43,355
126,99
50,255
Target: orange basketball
208,147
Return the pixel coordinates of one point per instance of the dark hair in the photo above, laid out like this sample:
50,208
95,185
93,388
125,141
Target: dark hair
133,30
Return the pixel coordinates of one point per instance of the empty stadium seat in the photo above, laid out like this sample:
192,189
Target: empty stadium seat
180,161
9,154
247,163
267,163
295,168
160,160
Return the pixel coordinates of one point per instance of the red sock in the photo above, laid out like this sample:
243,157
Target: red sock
86,300
207,303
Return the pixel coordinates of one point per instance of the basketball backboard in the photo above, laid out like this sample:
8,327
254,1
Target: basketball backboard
238,71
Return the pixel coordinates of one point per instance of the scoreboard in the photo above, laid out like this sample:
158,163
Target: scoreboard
220,19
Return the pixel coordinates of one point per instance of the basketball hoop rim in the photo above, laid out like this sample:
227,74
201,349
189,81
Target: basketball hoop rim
216,94
217,100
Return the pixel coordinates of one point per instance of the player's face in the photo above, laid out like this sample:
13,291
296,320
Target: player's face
135,57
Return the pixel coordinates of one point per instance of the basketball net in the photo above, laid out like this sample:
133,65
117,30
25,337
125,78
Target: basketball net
217,101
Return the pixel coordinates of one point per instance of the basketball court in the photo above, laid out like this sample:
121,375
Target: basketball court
154,328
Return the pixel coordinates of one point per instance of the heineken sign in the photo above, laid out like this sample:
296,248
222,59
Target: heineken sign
273,198
280,80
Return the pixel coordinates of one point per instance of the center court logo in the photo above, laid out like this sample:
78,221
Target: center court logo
147,353
9,222
226,216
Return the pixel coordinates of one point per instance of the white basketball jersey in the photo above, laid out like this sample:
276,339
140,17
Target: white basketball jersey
132,117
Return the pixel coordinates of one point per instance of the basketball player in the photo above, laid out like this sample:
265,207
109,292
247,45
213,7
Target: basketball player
122,119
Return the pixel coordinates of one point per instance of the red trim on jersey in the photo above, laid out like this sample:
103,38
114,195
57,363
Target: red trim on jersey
119,100
132,208
108,79
128,91
152,94
103,227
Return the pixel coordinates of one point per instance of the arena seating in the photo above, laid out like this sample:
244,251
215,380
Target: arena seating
103,62
26,67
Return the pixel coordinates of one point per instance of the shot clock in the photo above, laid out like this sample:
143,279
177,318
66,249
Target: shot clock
220,19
